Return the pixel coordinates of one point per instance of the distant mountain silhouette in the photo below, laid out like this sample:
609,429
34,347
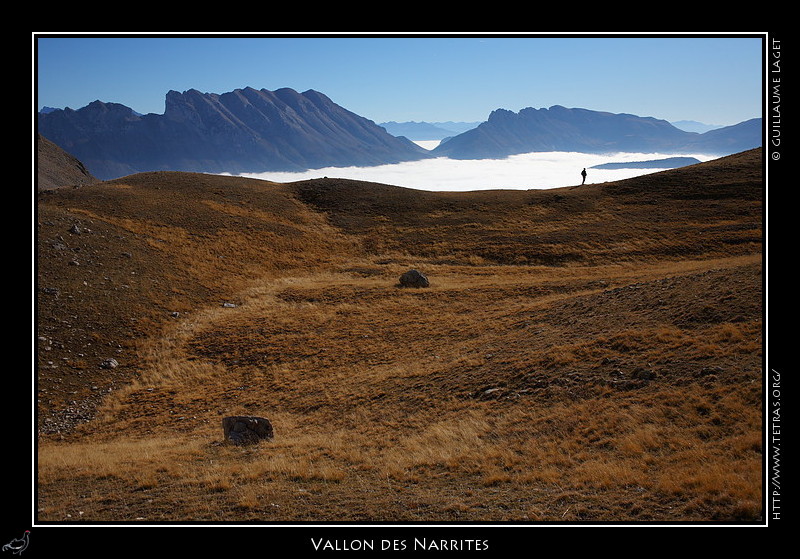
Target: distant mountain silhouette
427,130
246,130
694,126
666,163
581,130
728,140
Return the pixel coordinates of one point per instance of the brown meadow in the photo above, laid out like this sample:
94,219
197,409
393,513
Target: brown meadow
592,353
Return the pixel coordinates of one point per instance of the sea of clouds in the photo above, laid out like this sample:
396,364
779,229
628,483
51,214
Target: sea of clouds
517,172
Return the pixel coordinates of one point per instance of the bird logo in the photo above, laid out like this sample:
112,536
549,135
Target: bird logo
18,545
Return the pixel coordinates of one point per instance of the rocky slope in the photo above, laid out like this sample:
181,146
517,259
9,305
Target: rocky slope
56,168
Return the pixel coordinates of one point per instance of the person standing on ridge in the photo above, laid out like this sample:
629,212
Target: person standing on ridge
583,174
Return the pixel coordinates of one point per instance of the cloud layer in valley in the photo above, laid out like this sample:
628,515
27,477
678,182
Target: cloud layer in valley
525,171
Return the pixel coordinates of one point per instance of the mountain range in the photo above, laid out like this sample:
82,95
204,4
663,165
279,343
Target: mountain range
252,131
246,130
581,130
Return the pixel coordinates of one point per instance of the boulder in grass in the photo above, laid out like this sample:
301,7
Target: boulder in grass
244,429
414,278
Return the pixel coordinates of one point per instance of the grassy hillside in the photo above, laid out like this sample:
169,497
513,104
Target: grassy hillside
589,353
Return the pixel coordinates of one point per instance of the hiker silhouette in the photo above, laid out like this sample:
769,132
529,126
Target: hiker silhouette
583,174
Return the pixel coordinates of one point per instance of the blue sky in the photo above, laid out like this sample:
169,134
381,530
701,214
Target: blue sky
712,79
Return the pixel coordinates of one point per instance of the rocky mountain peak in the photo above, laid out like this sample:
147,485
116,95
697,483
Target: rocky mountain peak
242,131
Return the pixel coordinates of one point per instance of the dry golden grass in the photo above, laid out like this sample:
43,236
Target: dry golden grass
582,354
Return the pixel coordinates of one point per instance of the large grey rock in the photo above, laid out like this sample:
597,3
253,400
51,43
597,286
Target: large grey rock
414,278
245,429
